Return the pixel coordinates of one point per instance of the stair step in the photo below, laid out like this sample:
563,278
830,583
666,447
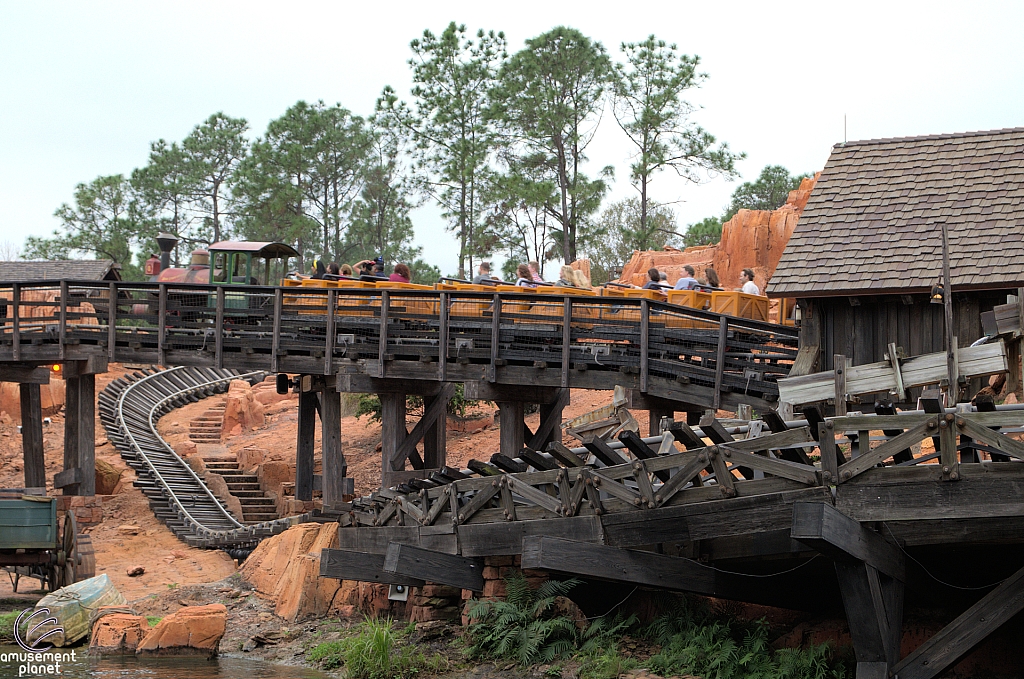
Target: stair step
243,486
244,495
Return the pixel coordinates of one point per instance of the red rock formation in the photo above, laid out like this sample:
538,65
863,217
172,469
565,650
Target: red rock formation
50,395
193,630
117,634
241,409
752,239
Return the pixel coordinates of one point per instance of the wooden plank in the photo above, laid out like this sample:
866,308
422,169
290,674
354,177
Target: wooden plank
111,321
876,422
687,472
16,322
489,539
331,335
219,329
442,336
492,375
550,422
334,467
723,336
305,435
829,454
436,567
829,531
63,317
724,477
275,342
806,359
874,625
24,374
1002,418
511,437
841,394
67,478
968,630
376,540
645,343
523,488
968,425
566,340
382,346
894,361
345,564
603,452
883,452
436,409
86,432
32,435
782,468
565,456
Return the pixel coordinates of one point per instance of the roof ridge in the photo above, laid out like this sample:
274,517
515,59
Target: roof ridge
926,137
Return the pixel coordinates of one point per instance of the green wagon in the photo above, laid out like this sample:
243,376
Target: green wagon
33,543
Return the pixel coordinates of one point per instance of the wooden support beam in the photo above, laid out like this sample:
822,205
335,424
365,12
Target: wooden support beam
382,347
344,564
366,384
392,411
219,329
510,423
528,393
304,445
24,374
436,437
80,432
566,341
435,410
723,336
437,567
841,394
333,458
550,421
645,569
826,529
956,639
603,452
492,368
874,611
32,435
777,425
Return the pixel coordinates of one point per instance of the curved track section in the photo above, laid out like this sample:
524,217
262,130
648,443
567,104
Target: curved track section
129,410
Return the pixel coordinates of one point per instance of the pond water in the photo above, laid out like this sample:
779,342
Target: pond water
87,667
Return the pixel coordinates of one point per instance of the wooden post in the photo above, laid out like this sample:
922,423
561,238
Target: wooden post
161,333
839,367
723,336
549,429
32,435
276,340
654,416
442,337
947,304
71,422
112,322
829,455
495,337
16,337
645,340
392,417
333,458
510,423
948,457
63,310
385,303
80,433
304,446
566,339
331,335
434,441
219,329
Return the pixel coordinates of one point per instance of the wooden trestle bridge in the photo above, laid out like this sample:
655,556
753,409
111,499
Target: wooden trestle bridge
787,514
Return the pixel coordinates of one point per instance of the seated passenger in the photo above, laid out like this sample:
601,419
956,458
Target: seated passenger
566,277
687,282
401,274
653,279
525,278
747,280
483,273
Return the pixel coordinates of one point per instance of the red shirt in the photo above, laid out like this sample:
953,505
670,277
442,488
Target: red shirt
398,278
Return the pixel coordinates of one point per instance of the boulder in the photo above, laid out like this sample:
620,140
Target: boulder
117,634
242,411
51,397
107,478
193,630
219,487
272,475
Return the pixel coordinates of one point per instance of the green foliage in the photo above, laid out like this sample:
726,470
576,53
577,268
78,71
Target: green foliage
374,653
547,105
106,221
458,404
695,641
522,627
650,110
707,231
213,151
7,621
452,75
153,620
621,230
768,192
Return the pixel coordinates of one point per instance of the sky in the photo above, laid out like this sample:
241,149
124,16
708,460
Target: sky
86,87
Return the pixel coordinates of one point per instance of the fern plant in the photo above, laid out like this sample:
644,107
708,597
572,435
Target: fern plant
522,627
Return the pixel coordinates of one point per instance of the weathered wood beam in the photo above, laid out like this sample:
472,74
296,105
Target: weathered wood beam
550,421
646,568
333,458
969,629
511,437
487,391
491,539
437,408
306,435
366,384
437,567
80,432
24,374
826,529
362,567
32,435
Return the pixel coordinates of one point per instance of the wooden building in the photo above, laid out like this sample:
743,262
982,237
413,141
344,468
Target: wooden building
55,270
867,251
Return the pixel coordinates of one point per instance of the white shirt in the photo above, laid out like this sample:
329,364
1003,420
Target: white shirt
750,288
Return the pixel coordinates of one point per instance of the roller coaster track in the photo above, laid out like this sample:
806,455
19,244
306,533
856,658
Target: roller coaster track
129,410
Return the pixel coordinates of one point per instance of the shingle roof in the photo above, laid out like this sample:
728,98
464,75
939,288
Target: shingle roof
873,222
68,269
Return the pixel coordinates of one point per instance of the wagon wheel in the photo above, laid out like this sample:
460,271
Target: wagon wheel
70,549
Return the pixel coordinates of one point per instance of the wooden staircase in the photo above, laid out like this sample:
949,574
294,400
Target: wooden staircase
207,427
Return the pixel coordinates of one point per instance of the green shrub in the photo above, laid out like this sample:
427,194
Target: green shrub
458,404
7,621
329,655
153,620
373,653
523,628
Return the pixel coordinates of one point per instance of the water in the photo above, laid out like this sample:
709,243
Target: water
87,667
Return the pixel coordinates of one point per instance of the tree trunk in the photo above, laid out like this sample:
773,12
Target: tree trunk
568,240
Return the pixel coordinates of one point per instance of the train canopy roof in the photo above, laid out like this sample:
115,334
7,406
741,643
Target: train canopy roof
258,248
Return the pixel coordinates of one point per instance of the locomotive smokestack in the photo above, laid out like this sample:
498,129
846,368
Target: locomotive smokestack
166,242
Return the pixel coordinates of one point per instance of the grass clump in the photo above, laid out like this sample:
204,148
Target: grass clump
375,652
7,621
153,620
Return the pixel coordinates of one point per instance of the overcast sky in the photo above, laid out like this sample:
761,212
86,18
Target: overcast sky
85,87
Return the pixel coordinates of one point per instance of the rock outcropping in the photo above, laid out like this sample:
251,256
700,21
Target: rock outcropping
117,634
193,630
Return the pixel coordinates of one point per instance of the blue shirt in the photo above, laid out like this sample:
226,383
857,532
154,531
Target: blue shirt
686,283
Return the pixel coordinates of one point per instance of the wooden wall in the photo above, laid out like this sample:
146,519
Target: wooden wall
861,332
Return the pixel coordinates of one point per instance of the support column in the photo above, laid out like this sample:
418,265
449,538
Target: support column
552,412
80,435
304,446
654,416
392,416
435,439
334,467
32,436
511,421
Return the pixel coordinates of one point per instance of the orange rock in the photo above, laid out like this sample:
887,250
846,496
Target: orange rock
107,477
117,634
272,475
193,630
51,397
241,409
